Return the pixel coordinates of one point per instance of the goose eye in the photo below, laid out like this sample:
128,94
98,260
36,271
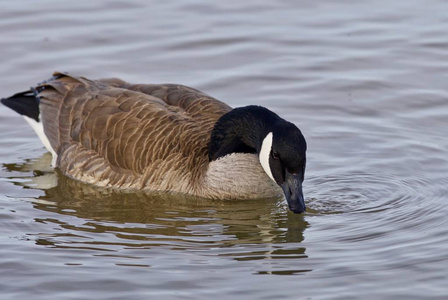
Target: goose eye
274,154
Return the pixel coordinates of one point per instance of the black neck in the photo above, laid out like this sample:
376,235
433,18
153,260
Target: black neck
241,131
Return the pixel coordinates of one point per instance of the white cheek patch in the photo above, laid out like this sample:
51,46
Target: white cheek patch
265,153
39,129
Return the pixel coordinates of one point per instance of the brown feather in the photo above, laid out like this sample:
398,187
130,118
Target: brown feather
112,133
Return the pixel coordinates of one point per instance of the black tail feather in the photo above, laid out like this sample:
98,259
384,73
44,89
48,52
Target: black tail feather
25,103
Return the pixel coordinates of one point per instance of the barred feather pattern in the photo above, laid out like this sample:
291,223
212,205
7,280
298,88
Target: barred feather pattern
146,137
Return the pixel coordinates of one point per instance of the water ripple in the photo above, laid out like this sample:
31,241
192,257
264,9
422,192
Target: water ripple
361,192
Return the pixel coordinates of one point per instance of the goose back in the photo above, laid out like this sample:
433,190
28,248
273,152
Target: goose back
112,133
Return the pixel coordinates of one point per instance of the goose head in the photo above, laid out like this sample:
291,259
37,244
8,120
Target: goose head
283,158
279,144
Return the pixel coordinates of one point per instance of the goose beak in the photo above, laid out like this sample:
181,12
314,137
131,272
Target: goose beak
292,187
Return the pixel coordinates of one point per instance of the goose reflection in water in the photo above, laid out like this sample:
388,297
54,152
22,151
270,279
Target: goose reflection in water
107,220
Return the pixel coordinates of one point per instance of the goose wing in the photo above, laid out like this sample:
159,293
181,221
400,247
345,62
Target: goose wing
114,133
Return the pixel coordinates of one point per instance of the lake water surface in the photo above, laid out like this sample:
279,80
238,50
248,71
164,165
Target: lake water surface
367,83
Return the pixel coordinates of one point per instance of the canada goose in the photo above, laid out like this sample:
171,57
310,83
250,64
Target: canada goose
164,138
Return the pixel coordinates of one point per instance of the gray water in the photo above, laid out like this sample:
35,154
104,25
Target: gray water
367,83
